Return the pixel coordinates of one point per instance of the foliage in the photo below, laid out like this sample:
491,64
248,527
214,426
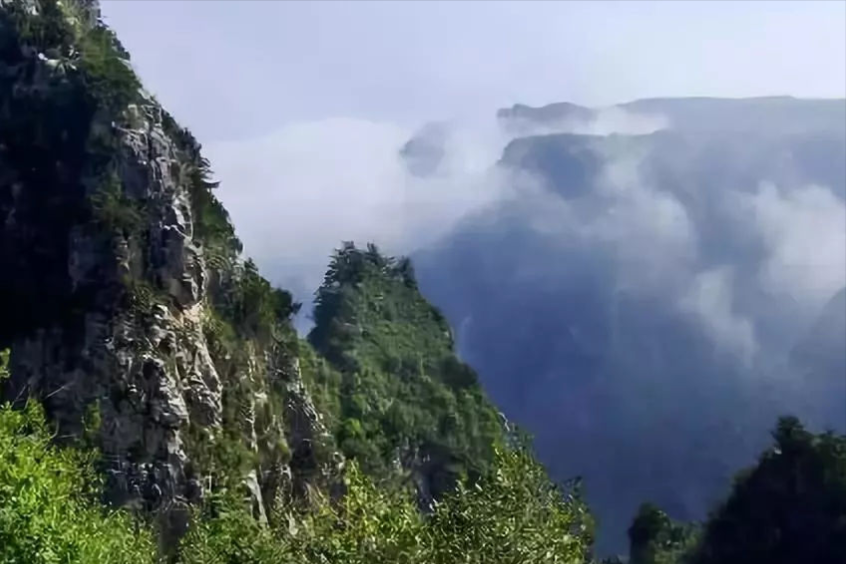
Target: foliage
226,533
254,308
323,382
247,319
106,73
89,58
368,525
48,508
402,391
253,324
4,364
380,365
789,508
656,539
390,383
43,132
224,454
212,227
48,513
515,516
47,30
114,210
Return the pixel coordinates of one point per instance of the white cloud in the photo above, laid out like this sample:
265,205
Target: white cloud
804,234
614,120
603,121
710,298
649,230
296,194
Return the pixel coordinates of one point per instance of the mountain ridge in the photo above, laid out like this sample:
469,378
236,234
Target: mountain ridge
159,405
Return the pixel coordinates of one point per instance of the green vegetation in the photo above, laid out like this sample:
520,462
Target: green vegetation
212,228
64,88
49,512
106,73
254,308
513,516
226,455
656,539
379,365
4,365
401,391
246,319
789,508
114,210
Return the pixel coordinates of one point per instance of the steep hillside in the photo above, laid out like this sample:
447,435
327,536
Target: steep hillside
158,406
401,397
126,301
162,361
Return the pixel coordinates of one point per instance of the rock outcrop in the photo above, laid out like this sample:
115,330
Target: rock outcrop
121,272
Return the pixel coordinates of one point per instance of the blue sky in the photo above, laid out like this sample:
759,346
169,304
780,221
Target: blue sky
237,69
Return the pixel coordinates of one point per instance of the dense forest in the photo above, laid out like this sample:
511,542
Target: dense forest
158,405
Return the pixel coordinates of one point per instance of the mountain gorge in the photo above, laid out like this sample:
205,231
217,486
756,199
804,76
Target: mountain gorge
159,406
637,296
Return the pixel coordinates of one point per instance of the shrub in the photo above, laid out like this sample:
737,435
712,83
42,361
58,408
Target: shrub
228,534
49,513
513,515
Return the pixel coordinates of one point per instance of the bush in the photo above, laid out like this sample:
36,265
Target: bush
228,534
791,507
49,513
105,68
402,387
114,210
514,515
656,539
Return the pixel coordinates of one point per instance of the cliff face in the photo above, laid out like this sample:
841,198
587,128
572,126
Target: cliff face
126,308
133,319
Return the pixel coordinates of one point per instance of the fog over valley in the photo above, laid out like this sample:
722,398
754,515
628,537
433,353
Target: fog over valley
637,235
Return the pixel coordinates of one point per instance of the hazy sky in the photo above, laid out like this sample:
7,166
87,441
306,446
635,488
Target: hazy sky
231,70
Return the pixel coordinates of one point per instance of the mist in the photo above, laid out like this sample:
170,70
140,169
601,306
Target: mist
630,288
631,282
642,322
296,194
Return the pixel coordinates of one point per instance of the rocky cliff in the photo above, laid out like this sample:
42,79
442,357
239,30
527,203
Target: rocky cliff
127,309
133,318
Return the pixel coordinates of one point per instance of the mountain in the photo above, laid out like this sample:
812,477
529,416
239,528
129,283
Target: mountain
520,119
158,405
424,153
783,114
147,364
635,299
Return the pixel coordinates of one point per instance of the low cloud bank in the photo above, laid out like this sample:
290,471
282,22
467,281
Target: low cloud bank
648,317
295,194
